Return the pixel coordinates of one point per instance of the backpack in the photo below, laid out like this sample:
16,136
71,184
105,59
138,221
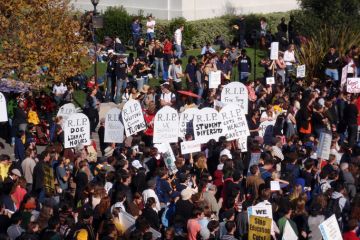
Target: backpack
333,208
317,189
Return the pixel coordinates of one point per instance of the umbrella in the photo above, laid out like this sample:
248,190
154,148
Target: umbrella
190,94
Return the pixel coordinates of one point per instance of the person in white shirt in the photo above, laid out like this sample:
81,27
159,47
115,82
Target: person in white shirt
289,59
150,28
167,98
178,41
150,192
59,90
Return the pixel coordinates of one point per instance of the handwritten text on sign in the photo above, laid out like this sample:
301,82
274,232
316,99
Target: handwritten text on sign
166,125
353,85
114,129
76,130
190,147
214,79
186,122
236,92
259,228
3,109
234,122
133,117
207,125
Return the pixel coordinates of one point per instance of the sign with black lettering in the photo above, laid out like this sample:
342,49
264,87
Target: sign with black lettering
133,118
114,129
236,92
207,125
76,130
259,228
330,229
190,147
3,109
234,122
166,125
186,122
323,150
214,79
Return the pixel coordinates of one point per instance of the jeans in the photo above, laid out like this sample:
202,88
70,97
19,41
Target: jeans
289,70
333,73
120,84
150,36
136,37
140,83
200,92
178,49
159,61
281,73
243,76
146,79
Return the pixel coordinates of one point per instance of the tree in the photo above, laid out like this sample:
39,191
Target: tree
40,41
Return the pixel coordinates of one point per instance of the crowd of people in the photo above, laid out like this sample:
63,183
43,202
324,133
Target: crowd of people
81,193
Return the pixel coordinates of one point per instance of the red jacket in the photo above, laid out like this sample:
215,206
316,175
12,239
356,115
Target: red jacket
350,236
168,48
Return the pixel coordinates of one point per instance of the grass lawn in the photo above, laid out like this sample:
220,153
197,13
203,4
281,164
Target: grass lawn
79,96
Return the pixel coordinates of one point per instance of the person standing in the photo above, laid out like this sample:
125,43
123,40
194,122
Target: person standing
178,74
150,28
241,29
244,66
91,108
178,41
43,177
158,59
289,59
121,70
135,30
291,31
28,166
110,76
190,73
331,61
350,117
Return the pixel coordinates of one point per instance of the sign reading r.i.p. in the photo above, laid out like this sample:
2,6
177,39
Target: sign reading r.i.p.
76,130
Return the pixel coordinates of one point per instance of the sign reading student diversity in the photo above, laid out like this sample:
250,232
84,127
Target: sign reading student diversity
236,92
207,125
186,122
259,228
133,118
114,129
234,122
166,125
3,109
76,130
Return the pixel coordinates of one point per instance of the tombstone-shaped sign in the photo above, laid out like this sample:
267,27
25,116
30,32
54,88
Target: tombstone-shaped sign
3,109
166,125
186,122
66,110
234,122
114,129
236,92
76,130
133,118
207,125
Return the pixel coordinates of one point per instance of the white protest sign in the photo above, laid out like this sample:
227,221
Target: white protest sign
242,144
264,125
300,71
3,109
274,185
133,118
234,122
207,125
114,129
66,110
168,155
186,122
236,92
344,73
261,210
76,130
166,125
353,85
323,150
330,229
190,147
289,233
270,80
274,51
214,79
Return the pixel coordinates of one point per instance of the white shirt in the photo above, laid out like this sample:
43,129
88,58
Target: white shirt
178,37
150,26
151,193
61,89
289,57
167,97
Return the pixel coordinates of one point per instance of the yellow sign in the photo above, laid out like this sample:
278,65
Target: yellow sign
259,228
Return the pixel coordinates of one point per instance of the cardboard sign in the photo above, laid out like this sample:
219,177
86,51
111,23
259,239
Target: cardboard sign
3,109
190,147
236,92
289,233
323,150
242,144
274,51
259,228
330,229
261,210
168,155
114,129
300,71
186,122
344,73
270,80
66,110
214,79
166,125
76,130
234,122
133,118
264,125
353,85
207,125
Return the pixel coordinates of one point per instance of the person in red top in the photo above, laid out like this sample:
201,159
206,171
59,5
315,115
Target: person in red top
168,53
351,234
193,226
149,115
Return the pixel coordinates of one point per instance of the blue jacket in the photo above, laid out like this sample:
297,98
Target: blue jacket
135,28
